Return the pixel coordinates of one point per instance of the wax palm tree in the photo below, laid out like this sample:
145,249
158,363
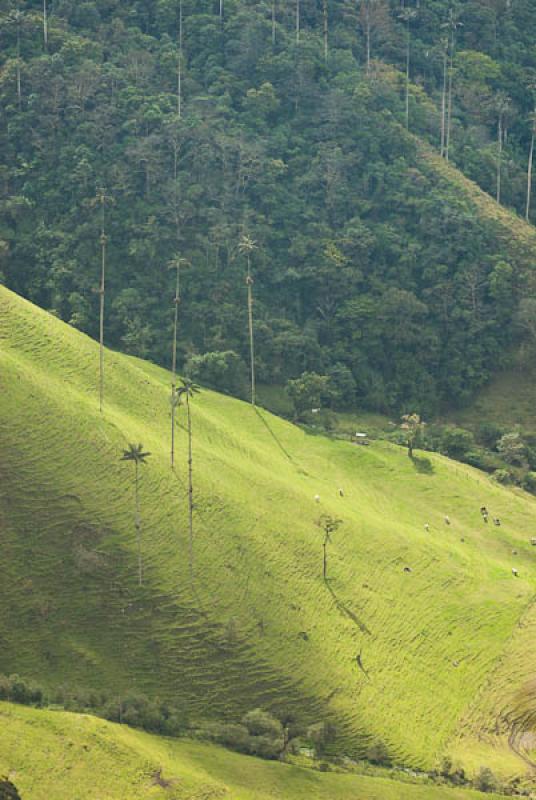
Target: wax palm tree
451,27
185,392
407,15
532,120
176,264
101,199
136,454
246,246
502,108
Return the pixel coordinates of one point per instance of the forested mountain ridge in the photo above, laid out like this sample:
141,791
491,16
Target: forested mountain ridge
374,263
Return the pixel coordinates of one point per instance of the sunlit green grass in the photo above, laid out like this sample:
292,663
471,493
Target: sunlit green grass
261,628
58,755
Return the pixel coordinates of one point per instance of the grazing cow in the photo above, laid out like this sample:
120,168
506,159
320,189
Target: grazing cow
426,527
447,520
515,573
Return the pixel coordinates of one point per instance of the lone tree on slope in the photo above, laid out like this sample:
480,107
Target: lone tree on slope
186,391
136,454
412,424
328,525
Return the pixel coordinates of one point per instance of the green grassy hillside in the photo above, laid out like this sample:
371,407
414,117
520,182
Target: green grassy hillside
261,628
94,760
508,400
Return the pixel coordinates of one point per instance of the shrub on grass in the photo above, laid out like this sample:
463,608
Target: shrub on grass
5,687
482,459
321,735
451,772
266,736
378,753
503,476
529,482
233,735
19,690
456,442
8,790
513,449
486,781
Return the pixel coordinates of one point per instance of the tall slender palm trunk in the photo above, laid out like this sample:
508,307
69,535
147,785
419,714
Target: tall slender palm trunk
499,155
249,282
449,109
444,103
179,66
18,74
174,365
138,524
45,24
298,22
101,312
190,495
408,39
529,174
326,28
273,22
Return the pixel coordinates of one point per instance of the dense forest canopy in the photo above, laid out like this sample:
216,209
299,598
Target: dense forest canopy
178,127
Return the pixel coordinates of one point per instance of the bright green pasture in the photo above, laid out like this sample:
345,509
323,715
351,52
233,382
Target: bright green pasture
431,613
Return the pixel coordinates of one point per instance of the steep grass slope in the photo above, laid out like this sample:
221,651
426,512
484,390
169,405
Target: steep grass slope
51,754
508,400
261,627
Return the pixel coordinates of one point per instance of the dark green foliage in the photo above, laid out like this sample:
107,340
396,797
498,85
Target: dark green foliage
368,269
529,482
504,476
133,708
486,781
452,773
489,433
266,738
513,449
308,392
258,733
8,790
342,386
224,371
378,753
457,442
321,735
19,690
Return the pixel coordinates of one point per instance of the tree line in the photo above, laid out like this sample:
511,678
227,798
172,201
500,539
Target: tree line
138,135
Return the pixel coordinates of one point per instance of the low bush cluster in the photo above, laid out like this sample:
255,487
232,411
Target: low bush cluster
133,709
8,790
258,733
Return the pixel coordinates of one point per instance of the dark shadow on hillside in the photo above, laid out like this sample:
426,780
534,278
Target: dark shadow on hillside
347,612
423,465
274,437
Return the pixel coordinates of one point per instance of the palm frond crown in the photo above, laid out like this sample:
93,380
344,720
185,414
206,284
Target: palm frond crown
135,453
